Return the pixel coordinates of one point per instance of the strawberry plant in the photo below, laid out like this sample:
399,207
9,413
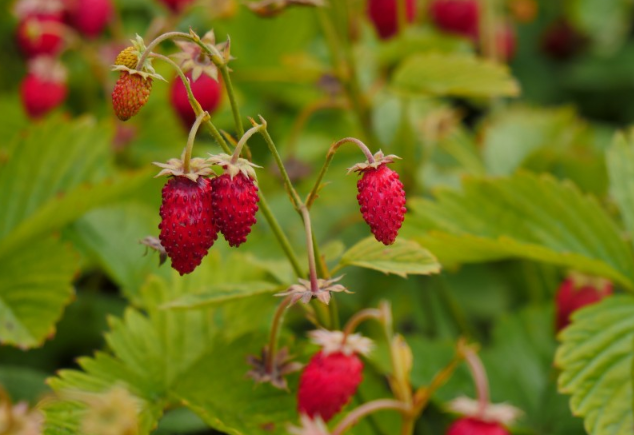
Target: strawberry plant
186,255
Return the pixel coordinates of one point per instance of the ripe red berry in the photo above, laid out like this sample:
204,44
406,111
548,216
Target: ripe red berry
90,17
384,15
176,5
40,34
44,87
327,384
456,16
473,426
130,94
234,201
187,229
206,90
577,292
382,200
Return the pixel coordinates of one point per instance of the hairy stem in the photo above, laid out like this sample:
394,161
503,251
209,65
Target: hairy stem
187,152
312,196
368,408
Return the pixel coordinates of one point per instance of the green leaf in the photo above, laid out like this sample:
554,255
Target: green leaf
34,288
596,362
454,75
221,293
159,355
606,22
514,134
524,216
620,158
402,258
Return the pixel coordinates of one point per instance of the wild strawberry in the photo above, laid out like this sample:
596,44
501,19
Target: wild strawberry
234,199
473,426
44,87
384,15
381,197
576,292
456,16
206,90
130,94
562,41
40,35
134,86
176,5
333,374
90,17
187,229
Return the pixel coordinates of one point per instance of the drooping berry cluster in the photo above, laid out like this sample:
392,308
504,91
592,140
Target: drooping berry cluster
40,35
195,208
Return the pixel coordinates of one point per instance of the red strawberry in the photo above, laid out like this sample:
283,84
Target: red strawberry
382,198
384,15
187,229
176,5
206,90
90,17
456,16
576,292
562,41
328,383
506,41
234,201
474,426
44,87
40,34
130,94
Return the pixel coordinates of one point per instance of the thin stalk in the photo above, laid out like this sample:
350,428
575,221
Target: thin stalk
280,236
424,394
312,268
276,326
156,41
312,196
368,408
187,152
295,198
334,314
243,140
479,378
360,317
226,78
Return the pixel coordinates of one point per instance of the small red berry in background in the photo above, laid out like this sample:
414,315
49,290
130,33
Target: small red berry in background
89,17
176,5
384,15
187,229
474,426
44,87
562,41
328,383
207,91
333,374
40,34
576,292
506,42
460,17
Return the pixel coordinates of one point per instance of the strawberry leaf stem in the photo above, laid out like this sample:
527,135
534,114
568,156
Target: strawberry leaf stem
366,409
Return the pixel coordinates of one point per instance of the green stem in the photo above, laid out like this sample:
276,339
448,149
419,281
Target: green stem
226,78
187,152
360,317
161,38
312,267
295,198
280,236
276,326
243,140
312,196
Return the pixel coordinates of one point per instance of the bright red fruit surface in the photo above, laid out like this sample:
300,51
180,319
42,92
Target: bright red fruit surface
187,229
327,384
382,201
40,35
235,203
90,17
39,96
456,16
572,296
473,426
